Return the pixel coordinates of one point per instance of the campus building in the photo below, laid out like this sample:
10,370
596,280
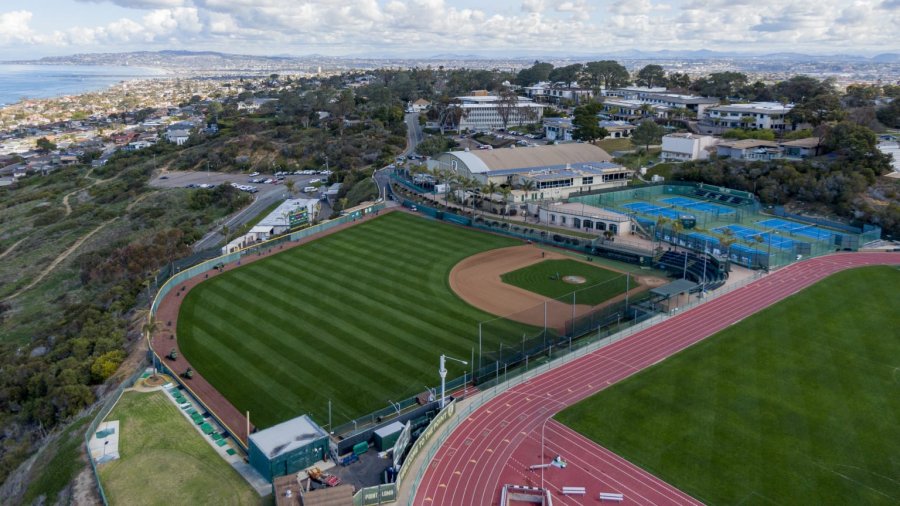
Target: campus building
552,172
755,115
682,147
485,113
586,218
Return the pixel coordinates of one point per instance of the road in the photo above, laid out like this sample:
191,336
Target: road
414,136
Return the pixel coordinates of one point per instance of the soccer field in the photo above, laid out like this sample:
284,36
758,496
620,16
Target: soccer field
359,318
599,286
799,404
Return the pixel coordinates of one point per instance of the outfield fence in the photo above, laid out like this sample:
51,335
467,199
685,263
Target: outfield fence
525,372
107,406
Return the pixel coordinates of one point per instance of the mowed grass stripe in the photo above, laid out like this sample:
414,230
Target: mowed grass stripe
358,317
424,322
798,403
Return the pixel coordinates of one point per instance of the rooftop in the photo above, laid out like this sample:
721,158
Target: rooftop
748,144
481,161
806,142
765,107
277,218
287,436
585,210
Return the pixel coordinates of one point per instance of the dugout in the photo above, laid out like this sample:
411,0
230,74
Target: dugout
663,294
288,447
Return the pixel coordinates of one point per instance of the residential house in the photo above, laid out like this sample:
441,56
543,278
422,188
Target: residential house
681,147
749,150
801,148
418,105
617,129
178,137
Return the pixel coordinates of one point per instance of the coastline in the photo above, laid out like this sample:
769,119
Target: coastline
21,81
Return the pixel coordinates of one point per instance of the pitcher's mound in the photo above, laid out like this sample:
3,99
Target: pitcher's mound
574,280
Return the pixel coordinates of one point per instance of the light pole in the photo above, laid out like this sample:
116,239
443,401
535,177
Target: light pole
443,372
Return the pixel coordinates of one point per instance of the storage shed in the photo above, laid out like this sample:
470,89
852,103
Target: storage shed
386,436
288,447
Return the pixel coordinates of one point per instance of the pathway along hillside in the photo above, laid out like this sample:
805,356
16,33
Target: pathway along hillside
496,444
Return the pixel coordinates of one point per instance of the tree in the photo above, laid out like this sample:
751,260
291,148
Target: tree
823,108
44,144
720,84
679,80
607,73
647,133
890,114
586,123
290,184
650,75
568,74
506,192
538,72
506,104
490,189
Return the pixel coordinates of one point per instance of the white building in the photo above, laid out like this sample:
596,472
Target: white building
749,149
292,213
584,218
483,113
558,129
552,171
662,99
755,115
178,137
681,147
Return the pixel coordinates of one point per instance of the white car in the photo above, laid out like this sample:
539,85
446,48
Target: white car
313,181
310,189
254,174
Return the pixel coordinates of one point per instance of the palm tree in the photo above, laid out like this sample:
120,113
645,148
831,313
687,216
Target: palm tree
528,186
490,189
506,192
290,184
151,327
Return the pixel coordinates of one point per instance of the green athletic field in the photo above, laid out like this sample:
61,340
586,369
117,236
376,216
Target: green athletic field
360,317
163,460
600,284
798,404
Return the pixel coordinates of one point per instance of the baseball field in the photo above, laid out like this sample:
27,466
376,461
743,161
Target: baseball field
359,318
798,404
592,285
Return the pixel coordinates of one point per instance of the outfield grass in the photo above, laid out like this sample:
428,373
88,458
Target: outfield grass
600,284
798,404
359,318
165,461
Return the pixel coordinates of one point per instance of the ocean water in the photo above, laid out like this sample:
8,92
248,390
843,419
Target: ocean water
47,81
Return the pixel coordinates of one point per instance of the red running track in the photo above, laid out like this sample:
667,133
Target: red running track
498,442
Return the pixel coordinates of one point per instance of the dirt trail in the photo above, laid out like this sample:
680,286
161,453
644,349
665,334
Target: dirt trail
65,254
65,199
477,281
9,249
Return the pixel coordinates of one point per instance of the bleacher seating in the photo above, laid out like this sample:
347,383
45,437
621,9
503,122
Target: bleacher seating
711,276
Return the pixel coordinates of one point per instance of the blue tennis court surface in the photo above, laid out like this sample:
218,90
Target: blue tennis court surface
810,231
748,234
652,210
698,205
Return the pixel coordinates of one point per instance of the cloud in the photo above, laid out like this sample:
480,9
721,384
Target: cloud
347,26
140,4
14,27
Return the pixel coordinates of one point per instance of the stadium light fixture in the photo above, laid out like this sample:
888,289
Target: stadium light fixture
443,373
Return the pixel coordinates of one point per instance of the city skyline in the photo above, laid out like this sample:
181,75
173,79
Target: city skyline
419,27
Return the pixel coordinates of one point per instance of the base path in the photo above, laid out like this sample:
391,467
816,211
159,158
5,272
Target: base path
477,281
498,443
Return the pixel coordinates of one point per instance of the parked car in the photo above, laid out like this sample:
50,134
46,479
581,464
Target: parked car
253,174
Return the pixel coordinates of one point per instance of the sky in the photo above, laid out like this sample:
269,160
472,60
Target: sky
35,28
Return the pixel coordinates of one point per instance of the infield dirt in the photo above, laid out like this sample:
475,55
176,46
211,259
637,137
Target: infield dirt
477,281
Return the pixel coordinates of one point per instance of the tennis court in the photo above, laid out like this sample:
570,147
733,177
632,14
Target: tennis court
652,210
698,205
811,231
749,234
